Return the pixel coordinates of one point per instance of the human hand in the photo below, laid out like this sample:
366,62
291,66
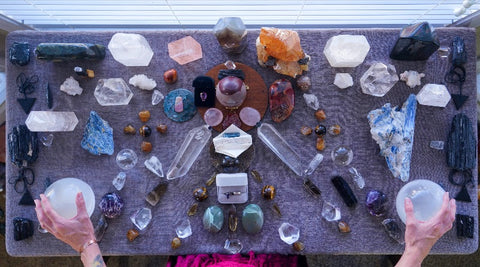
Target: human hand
76,231
420,236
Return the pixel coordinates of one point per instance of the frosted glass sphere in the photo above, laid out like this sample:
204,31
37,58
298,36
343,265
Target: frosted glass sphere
62,195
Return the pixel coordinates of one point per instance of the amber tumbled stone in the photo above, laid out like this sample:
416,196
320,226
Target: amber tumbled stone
170,76
305,130
132,234
298,246
129,129
343,227
162,128
320,115
320,143
176,242
144,115
146,146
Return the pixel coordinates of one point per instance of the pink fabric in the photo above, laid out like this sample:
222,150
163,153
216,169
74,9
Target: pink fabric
237,260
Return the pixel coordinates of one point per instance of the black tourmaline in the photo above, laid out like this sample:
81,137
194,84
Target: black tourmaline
345,191
22,146
465,225
19,53
69,51
22,228
461,144
416,42
459,54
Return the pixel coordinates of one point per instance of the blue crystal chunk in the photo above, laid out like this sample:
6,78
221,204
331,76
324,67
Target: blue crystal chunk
393,130
98,136
231,135
189,109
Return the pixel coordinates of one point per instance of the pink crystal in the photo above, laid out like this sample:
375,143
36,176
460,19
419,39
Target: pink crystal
178,104
230,119
185,50
282,100
250,116
213,117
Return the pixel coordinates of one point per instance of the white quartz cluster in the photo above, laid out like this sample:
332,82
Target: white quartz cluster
412,78
71,87
143,82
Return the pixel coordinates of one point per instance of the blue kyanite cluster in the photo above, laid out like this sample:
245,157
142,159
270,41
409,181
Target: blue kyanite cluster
393,130
98,136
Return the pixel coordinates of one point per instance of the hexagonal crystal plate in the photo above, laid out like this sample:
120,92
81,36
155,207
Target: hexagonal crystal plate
112,92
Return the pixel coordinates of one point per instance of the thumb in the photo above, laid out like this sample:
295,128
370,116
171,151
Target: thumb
409,210
81,207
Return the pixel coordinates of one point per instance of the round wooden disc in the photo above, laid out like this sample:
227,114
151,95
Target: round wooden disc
257,94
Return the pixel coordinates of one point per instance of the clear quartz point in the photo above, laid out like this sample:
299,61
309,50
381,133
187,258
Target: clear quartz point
275,141
312,166
141,218
233,246
157,97
289,233
330,212
183,228
47,140
230,65
357,177
119,180
154,165
192,146
101,228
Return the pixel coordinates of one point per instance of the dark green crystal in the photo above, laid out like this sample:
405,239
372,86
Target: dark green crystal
69,51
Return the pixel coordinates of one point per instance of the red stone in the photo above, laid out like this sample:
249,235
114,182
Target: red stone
282,100
230,119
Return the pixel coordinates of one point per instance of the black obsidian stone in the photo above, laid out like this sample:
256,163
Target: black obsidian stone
465,225
19,53
345,191
22,228
69,51
228,72
416,42
320,130
459,55
204,91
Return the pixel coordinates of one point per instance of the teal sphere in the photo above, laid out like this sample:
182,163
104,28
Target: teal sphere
213,219
252,219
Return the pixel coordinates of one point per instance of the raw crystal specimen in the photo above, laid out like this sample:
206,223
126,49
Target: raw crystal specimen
141,218
71,87
170,76
465,225
185,50
19,53
22,228
376,203
212,179
179,105
111,205
357,177
51,121
112,92
162,128
252,219
200,194
154,165
435,95
192,210
231,34
304,83
289,233
346,51
312,166
343,80
176,243
47,140
256,175
393,130
144,115
305,130
282,100
275,141
129,130
320,115
232,218
213,219
378,79
154,196
281,49
412,78
157,97
143,82
276,209
268,192
101,228
394,230
98,136
146,146
145,131
183,228
438,145
126,159
231,91
298,246
311,188
132,234
416,42
192,145
130,49
69,51
343,227
330,212
250,116
320,144
233,246
345,191
119,181
312,101
342,155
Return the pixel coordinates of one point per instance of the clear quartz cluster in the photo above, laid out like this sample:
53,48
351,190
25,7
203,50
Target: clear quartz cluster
330,212
112,92
130,49
379,79
346,51
51,121
71,87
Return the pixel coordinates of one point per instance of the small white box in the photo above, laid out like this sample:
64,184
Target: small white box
232,188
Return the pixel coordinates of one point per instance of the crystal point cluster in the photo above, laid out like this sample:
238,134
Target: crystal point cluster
130,49
346,51
393,130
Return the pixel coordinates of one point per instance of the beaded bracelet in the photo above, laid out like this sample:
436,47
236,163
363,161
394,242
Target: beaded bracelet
87,244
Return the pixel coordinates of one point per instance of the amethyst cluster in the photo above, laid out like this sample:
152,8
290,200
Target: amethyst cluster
111,205
376,203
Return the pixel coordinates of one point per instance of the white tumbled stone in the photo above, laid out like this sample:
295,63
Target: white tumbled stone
343,80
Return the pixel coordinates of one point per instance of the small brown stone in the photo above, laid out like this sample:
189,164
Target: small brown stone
305,130
193,209
144,115
268,192
212,179
176,243
129,130
145,131
170,76
132,234
320,115
276,208
298,246
200,194
146,146
304,83
162,128
343,227
334,129
320,143
256,175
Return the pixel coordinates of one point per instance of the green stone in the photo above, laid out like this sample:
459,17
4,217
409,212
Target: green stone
213,219
252,219
69,51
